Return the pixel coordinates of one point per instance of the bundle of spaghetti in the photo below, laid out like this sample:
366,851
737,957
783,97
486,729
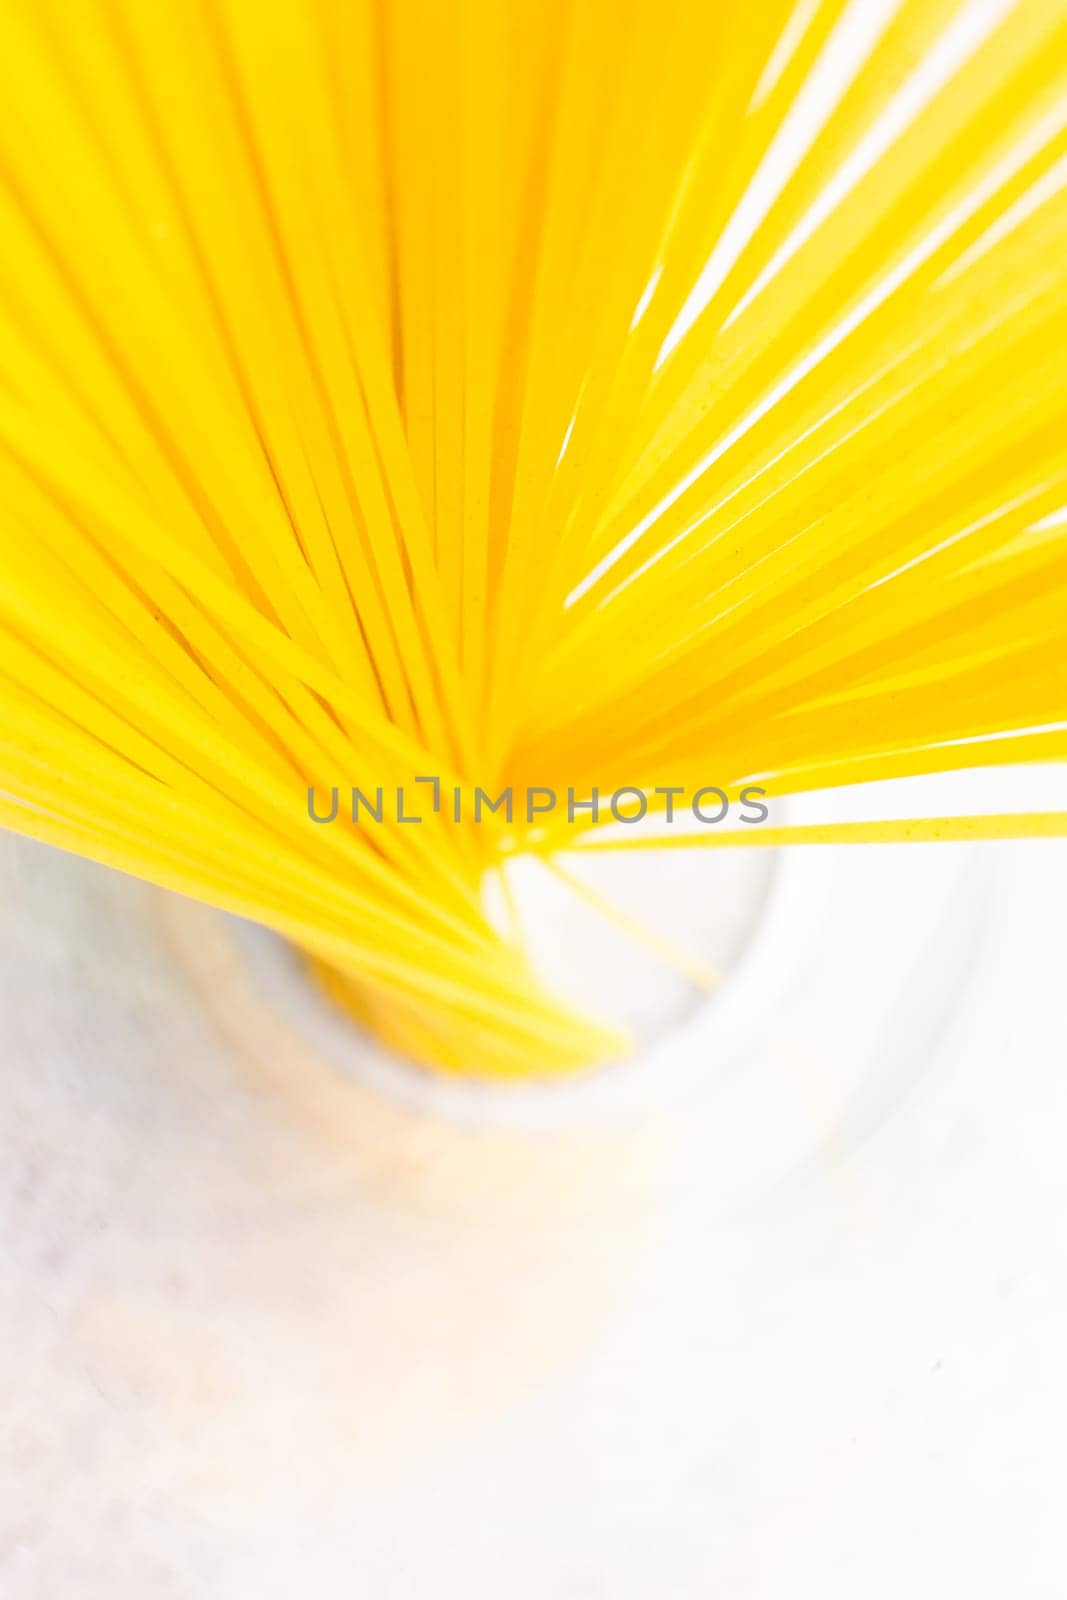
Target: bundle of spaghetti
594,393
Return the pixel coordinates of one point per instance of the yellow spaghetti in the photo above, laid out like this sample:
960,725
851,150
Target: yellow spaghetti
584,394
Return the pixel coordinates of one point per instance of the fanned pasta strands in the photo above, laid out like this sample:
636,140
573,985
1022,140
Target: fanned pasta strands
438,398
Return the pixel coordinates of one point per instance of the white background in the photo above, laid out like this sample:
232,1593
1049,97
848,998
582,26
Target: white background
786,1319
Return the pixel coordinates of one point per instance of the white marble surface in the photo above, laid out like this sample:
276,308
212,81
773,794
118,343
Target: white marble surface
792,1325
